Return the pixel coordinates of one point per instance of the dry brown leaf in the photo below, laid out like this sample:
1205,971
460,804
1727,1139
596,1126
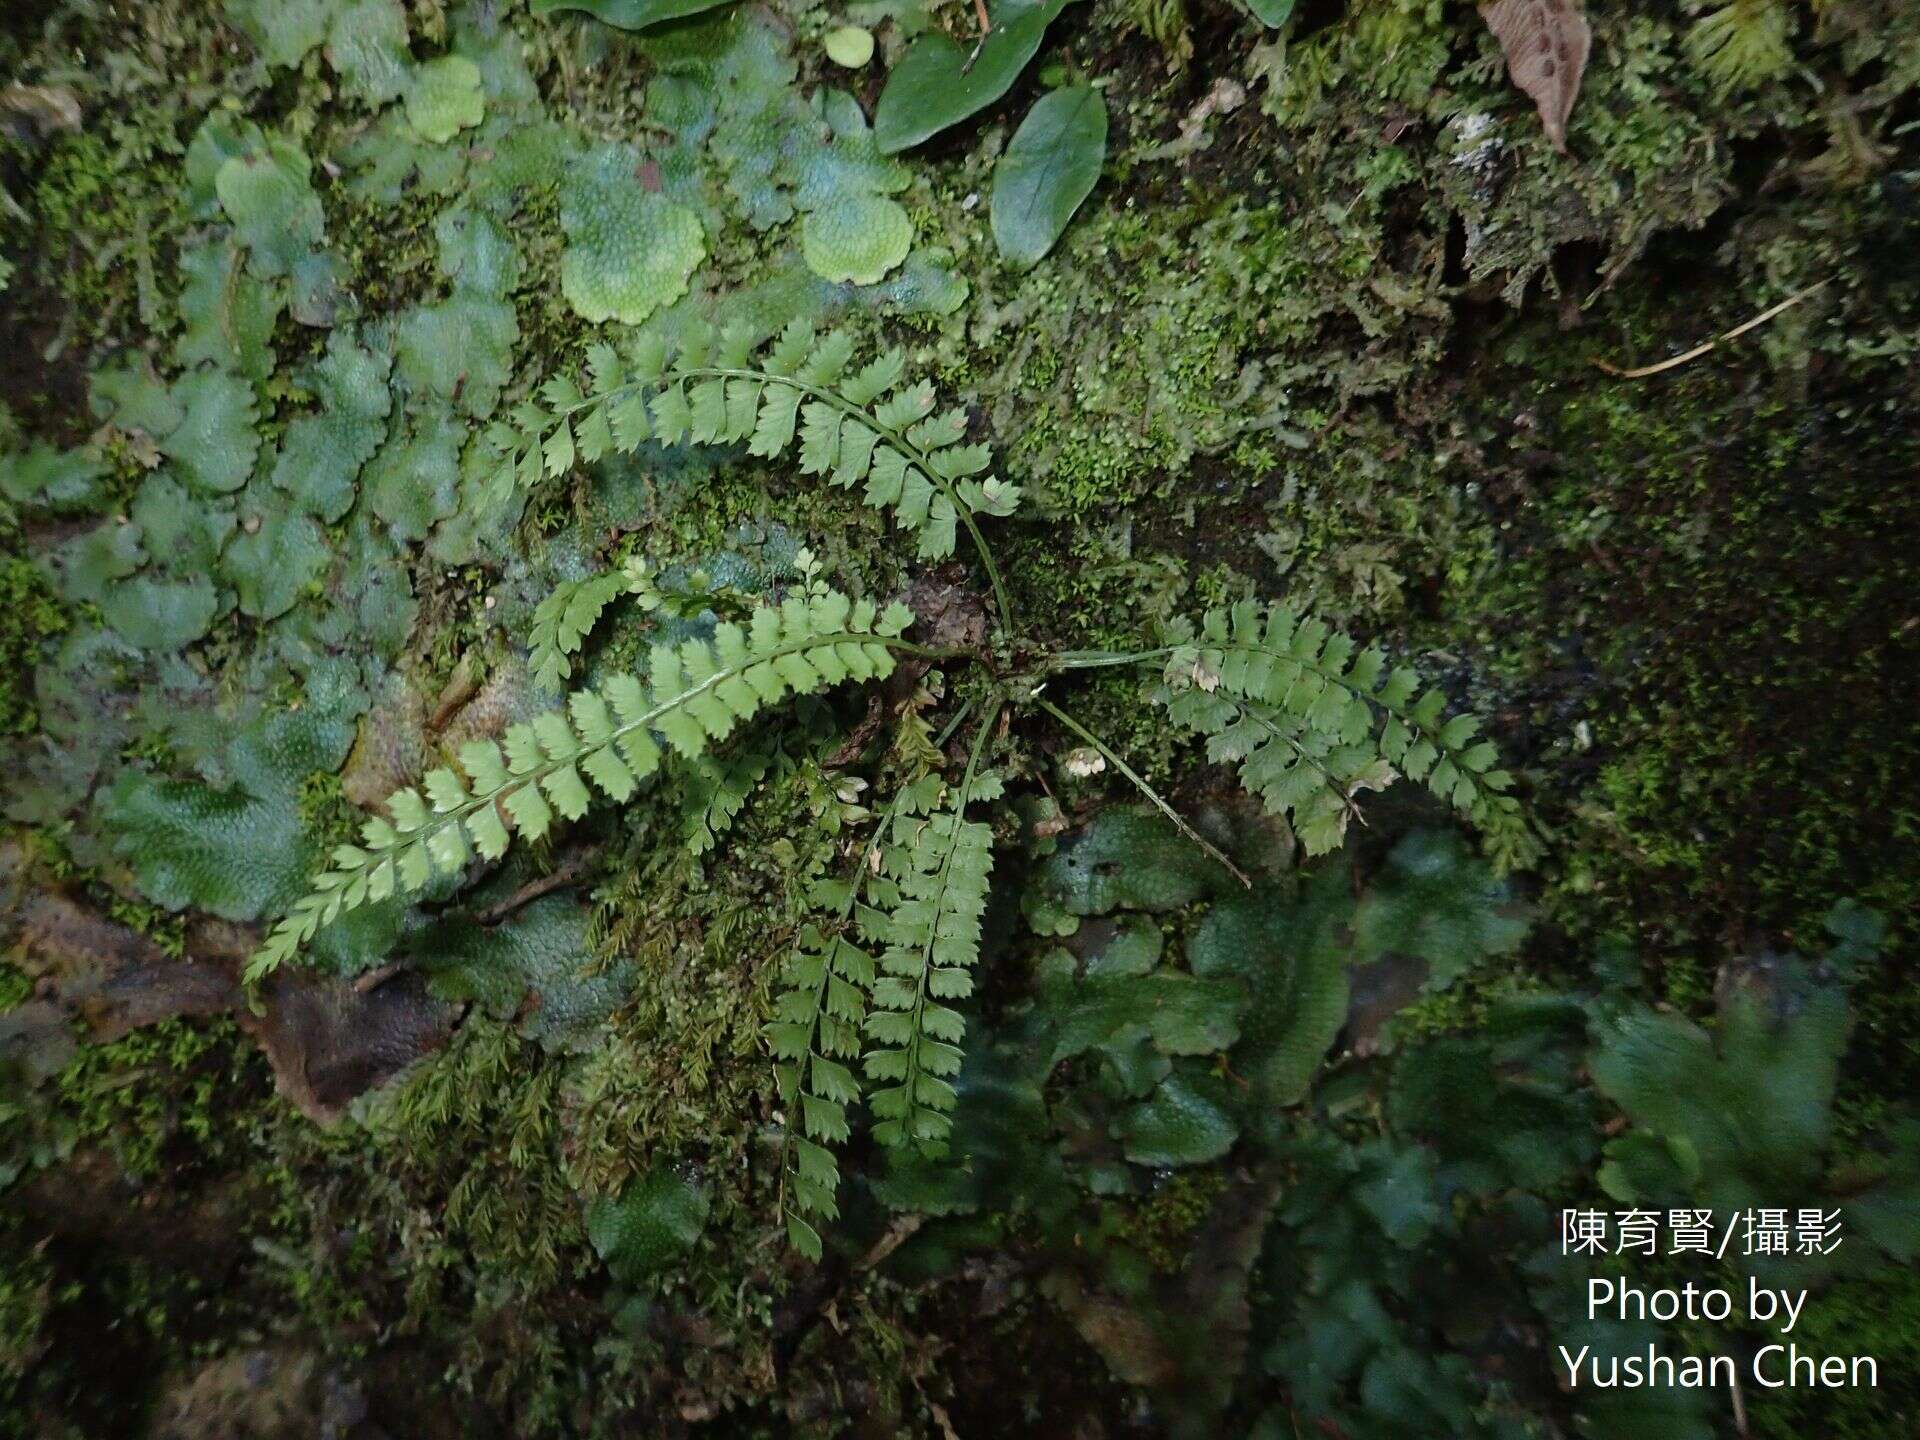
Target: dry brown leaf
41,109
1546,43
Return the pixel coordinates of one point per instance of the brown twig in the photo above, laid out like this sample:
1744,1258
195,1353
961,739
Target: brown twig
569,870
986,29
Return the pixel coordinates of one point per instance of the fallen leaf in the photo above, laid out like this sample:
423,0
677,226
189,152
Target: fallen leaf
40,110
1546,43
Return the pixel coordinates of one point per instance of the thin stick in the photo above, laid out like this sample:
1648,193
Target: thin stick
986,29
1694,354
1127,770
1097,659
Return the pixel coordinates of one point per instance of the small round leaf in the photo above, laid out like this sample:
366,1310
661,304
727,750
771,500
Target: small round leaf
850,46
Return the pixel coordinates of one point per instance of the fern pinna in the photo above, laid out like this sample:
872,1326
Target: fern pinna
868,1005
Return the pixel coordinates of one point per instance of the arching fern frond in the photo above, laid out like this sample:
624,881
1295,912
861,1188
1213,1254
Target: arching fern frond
856,426
695,695
562,621
815,1037
1311,723
931,893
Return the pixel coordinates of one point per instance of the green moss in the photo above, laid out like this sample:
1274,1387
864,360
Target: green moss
475,1134
1878,1315
29,613
166,1090
29,1291
88,201
1160,1225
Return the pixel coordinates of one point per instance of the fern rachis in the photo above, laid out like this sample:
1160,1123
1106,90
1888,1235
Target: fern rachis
939,866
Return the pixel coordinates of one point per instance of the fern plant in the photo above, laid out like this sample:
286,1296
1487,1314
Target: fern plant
866,1010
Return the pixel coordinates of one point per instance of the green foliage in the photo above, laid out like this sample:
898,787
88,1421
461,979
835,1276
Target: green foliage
940,82
629,14
1271,13
229,313
1742,44
443,98
1749,1107
1188,1120
236,848
853,425
696,694
1440,905
59,481
29,613
562,621
1311,723
858,240
283,31
536,967
1049,167
816,1043
652,1224
716,791
267,192
1293,959
323,452
630,250
367,47
1124,860
929,896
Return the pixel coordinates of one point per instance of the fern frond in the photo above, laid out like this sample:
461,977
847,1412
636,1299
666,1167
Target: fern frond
696,694
562,621
1311,723
934,871
815,1035
717,791
855,426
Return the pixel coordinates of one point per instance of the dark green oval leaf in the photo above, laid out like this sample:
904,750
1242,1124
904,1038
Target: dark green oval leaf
630,14
1049,167
932,86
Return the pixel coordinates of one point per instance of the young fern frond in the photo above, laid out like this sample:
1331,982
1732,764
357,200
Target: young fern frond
856,426
562,621
716,791
1310,723
816,1041
815,1037
932,891
695,695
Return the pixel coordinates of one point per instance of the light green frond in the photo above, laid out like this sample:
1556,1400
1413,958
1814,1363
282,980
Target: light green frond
860,426
696,694
935,867
562,621
1311,723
